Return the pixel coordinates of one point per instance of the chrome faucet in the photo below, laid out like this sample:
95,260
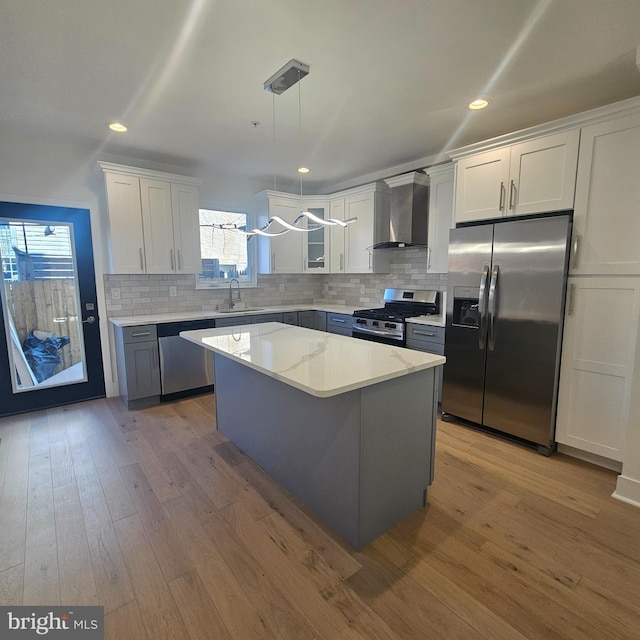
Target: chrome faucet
231,303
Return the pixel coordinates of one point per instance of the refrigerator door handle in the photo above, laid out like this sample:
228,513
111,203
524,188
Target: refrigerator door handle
482,307
491,341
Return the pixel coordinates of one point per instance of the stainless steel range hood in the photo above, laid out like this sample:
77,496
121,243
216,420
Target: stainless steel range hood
409,211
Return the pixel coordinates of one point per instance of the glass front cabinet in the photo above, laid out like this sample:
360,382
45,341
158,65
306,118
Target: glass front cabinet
316,241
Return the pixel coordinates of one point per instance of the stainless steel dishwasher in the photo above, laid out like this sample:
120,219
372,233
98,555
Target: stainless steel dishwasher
184,367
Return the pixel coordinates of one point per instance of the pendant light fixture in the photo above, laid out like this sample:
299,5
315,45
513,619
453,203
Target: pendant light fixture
278,83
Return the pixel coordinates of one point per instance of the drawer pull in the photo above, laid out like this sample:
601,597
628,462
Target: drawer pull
425,333
337,320
139,334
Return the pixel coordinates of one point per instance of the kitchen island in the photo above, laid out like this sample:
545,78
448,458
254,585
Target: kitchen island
346,425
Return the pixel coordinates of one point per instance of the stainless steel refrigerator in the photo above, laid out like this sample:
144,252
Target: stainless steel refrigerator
505,308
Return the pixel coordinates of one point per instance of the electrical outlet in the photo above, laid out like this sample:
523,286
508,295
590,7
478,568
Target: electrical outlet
115,293
363,289
173,291
281,287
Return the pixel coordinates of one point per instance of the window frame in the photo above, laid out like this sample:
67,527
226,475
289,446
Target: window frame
252,257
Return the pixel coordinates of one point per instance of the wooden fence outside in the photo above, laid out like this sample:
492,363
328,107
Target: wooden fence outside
47,305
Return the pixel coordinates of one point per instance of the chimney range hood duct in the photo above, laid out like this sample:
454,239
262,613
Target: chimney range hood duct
409,211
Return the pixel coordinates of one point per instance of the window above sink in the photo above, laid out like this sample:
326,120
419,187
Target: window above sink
226,253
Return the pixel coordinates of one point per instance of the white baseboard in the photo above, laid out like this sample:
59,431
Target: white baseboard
593,458
628,490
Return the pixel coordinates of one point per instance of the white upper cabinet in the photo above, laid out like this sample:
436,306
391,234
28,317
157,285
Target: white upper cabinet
280,254
315,243
480,185
607,208
153,221
535,176
440,216
185,205
125,223
370,206
600,332
157,223
345,249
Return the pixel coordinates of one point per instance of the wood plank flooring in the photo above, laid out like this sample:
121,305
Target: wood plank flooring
156,516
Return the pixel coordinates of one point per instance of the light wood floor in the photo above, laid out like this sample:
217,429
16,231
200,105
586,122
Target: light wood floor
155,516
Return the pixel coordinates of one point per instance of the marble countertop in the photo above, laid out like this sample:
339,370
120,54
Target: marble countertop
181,316
438,320
321,364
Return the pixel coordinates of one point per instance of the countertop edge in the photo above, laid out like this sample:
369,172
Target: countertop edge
132,321
434,361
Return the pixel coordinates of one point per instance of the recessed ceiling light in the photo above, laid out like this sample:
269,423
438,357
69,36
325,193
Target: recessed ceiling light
479,103
117,126
303,170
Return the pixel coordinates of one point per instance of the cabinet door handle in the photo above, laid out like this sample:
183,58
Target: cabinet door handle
173,268
574,250
341,262
179,260
572,296
141,261
428,258
273,262
512,195
370,256
502,194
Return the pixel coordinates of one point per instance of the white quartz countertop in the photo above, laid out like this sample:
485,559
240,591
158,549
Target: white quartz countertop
181,316
433,321
321,364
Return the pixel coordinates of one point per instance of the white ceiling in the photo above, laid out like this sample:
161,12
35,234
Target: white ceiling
388,86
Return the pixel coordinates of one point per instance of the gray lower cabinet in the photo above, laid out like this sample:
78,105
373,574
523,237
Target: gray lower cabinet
339,323
266,317
290,317
138,365
233,321
430,339
305,319
313,320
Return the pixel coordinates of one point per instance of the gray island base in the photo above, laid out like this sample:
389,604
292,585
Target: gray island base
361,460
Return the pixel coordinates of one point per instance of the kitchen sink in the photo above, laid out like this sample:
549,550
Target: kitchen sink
241,310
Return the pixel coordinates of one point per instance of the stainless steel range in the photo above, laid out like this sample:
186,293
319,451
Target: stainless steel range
387,325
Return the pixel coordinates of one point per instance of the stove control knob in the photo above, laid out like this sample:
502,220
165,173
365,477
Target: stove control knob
375,323
390,325
361,321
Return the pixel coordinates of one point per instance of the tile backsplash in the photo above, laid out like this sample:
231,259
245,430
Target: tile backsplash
130,295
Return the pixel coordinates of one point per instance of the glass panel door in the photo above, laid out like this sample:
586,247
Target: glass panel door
40,303
49,314
316,239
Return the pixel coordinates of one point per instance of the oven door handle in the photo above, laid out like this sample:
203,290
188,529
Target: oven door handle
376,332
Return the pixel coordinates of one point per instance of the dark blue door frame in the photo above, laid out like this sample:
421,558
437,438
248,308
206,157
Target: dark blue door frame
93,387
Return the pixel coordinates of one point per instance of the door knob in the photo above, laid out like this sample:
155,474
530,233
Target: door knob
89,320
